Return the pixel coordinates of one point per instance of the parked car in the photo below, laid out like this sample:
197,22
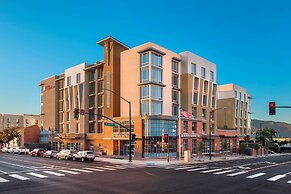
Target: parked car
50,154
37,152
4,149
84,156
10,150
21,150
65,154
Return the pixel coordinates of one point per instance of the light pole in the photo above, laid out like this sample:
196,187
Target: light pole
129,112
210,140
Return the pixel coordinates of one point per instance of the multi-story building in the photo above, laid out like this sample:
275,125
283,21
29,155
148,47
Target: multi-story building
198,99
156,81
236,104
18,120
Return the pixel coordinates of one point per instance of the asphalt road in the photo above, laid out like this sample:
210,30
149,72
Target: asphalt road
26,174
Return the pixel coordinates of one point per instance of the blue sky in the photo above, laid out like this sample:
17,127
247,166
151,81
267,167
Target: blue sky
249,41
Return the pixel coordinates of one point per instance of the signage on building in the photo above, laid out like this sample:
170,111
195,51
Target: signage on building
48,88
189,135
121,135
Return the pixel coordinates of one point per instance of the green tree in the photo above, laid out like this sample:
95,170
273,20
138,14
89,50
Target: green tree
199,149
8,135
225,147
265,136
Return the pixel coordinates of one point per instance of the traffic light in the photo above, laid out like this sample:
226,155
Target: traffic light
166,138
272,108
76,113
133,137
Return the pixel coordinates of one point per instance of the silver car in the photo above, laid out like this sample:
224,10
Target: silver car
65,154
84,156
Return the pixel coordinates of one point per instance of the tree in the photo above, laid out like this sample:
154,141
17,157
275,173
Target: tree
8,135
199,150
224,147
247,139
265,136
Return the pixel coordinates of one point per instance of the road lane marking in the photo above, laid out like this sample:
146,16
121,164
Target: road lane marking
289,182
223,172
275,178
70,172
94,169
117,167
237,173
2,180
255,175
213,170
80,170
104,168
16,165
187,167
37,175
54,173
19,177
196,169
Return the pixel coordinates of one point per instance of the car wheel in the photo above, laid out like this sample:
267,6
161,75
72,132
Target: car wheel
82,159
66,158
74,158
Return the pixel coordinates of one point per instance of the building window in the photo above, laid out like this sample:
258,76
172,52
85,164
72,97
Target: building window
144,108
144,59
144,75
100,100
156,92
144,92
240,95
156,108
100,73
195,98
185,145
194,127
68,116
78,78
175,96
213,102
212,128
69,81
196,83
78,146
68,128
204,100
214,89
100,127
175,66
156,75
175,110
156,60
211,76
185,126
92,127
204,128
194,112
193,68
78,128
206,86
175,80
203,72
108,89
212,115
204,114
244,97
194,144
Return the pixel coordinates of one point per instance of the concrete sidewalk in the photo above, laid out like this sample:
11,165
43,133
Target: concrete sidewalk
173,161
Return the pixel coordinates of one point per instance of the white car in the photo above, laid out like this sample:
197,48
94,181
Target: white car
10,150
5,149
21,150
84,155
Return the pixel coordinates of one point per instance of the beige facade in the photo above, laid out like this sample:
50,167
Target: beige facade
21,120
236,103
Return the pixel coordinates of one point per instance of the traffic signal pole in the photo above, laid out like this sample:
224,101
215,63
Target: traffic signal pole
130,138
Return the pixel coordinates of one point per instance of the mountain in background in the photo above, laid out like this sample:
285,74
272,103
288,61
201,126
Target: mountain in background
283,129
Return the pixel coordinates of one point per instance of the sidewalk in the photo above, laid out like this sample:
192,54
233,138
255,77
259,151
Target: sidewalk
173,161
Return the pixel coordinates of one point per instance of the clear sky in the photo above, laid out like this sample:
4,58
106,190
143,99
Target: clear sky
248,40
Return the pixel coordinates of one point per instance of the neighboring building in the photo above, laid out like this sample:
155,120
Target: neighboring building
29,136
15,120
198,98
235,114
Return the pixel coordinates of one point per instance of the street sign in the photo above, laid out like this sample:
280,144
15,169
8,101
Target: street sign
109,124
133,142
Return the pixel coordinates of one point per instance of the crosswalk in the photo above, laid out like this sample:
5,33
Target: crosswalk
234,171
46,173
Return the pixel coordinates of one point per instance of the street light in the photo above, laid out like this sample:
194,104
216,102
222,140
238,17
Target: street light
129,112
212,111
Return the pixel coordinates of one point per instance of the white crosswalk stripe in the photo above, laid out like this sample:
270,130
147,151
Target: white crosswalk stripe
212,170
289,182
80,170
69,172
117,167
255,175
104,168
224,172
237,173
184,168
275,178
2,180
196,169
37,175
19,177
94,169
53,173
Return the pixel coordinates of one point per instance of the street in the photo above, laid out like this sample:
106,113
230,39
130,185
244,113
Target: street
26,174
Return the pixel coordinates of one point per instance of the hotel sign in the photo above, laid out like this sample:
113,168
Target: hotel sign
189,135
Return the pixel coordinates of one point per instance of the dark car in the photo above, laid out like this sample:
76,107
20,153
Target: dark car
50,154
37,152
